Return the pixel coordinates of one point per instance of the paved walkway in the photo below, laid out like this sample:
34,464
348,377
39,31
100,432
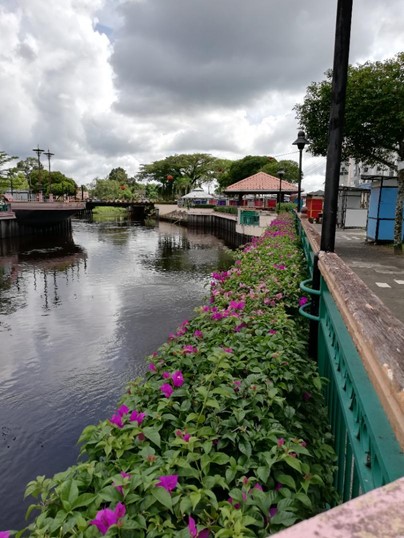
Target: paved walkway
377,265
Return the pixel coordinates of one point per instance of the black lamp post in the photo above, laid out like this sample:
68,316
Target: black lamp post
49,155
300,142
38,152
281,173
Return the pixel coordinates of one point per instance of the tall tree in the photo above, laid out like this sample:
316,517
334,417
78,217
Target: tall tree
374,120
245,167
118,174
291,169
197,167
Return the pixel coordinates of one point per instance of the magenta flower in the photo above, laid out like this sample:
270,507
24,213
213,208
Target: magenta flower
4,534
236,384
106,518
238,328
198,334
120,488
237,305
186,436
306,396
273,511
303,300
123,410
189,349
166,375
168,482
152,367
281,441
178,378
167,390
193,531
116,420
228,349
137,417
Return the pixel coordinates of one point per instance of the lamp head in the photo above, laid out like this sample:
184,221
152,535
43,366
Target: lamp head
301,140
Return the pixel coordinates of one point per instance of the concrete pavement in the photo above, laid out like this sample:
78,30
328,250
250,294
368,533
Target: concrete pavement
379,268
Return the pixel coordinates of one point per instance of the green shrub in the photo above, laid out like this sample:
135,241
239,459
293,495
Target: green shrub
226,435
226,209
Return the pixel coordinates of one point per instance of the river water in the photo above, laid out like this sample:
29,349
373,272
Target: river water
78,315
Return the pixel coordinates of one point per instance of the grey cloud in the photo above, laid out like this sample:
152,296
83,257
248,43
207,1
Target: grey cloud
183,54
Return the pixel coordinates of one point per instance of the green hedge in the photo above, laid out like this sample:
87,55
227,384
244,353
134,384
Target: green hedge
226,436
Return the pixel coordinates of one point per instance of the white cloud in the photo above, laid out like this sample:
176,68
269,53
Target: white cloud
106,83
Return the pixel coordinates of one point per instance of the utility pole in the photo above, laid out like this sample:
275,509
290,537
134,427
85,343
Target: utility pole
38,152
339,83
49,155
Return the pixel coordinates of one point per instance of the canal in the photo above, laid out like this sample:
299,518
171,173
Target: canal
78,315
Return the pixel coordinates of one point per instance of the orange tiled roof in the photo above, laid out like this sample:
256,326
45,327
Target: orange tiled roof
261,183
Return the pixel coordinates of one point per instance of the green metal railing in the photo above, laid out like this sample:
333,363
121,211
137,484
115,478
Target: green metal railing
367,449
249,218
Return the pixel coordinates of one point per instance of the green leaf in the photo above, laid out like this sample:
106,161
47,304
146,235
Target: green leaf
263,473
185,505
220,458
83,500
294,463
304,499
163,496
152,435
69,491
195,497
286,480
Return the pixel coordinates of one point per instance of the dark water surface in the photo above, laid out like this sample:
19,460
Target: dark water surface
77,318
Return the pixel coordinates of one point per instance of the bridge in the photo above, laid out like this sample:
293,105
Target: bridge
139,209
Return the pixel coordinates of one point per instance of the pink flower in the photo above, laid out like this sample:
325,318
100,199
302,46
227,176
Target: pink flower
152,367
137,417
116,420
166,375
228,349
193,530
281,441
168,482
120,488
237,305
238,328
4,534
186,436
106,518
273,511
272,331
303,300
123,410
178,378
198,334
189,349
167,390
306,396
236,384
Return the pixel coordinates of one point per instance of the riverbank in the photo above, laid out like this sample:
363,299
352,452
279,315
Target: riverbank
226,432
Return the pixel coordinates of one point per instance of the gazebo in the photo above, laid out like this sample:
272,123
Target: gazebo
197,196
261,184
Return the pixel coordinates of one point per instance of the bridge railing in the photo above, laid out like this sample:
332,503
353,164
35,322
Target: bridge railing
360,352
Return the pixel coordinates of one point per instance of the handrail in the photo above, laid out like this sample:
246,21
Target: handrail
361,353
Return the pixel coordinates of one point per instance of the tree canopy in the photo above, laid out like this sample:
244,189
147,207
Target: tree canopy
57,183
374,118
291,169
189,170
118,174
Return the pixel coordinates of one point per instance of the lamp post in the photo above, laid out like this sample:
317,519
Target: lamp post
49,155
281,173
300,142
38,152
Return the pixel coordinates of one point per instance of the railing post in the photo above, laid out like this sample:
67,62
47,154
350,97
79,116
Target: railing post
314,311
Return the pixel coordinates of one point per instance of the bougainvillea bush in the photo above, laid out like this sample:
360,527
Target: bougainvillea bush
226,434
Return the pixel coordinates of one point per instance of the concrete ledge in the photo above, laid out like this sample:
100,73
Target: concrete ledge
378,514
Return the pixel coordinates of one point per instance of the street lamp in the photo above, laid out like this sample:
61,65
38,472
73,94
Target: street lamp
49,155
300,142
281,173
38,152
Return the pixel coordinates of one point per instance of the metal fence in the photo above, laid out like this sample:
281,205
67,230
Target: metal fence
368,450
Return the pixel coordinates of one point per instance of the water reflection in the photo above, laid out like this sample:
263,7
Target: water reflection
77,317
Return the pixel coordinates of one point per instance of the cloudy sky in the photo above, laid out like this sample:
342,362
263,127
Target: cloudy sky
107,83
